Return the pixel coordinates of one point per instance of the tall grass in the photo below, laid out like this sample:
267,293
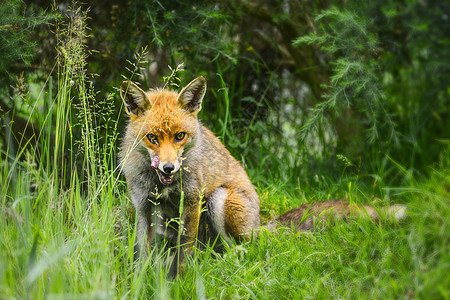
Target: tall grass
67,228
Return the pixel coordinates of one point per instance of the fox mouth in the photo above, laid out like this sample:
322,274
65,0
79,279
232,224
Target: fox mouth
164,177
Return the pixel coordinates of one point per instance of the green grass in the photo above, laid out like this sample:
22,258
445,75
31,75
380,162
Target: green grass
66,245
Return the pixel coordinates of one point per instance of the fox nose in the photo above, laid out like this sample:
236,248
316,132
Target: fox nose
168,168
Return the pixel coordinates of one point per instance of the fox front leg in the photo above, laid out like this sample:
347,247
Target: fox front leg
144,235
187,236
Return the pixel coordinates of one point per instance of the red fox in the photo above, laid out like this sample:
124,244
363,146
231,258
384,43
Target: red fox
170,160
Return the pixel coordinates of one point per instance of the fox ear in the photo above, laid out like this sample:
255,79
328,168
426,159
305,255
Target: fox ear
135,99
191,96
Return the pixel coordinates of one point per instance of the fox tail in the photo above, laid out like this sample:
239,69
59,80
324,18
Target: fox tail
303,218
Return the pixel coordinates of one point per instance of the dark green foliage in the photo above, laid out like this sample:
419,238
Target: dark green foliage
352,49
388,62
17,23
363,81
418,76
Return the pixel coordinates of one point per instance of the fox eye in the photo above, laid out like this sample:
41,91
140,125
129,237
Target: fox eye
152,138
180,136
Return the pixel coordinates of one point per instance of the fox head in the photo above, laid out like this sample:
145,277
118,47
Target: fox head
163,123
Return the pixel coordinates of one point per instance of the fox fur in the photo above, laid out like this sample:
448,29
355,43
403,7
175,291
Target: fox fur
168,155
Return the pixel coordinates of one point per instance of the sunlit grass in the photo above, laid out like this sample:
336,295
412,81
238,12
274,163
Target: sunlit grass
63,244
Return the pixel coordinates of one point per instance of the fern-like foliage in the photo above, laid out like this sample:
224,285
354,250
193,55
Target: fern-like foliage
351,49
17,24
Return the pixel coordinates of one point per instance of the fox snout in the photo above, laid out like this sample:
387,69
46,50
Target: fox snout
168,168
165,167
165,170
169,162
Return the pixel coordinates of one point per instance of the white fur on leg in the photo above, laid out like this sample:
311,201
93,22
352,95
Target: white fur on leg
217,211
